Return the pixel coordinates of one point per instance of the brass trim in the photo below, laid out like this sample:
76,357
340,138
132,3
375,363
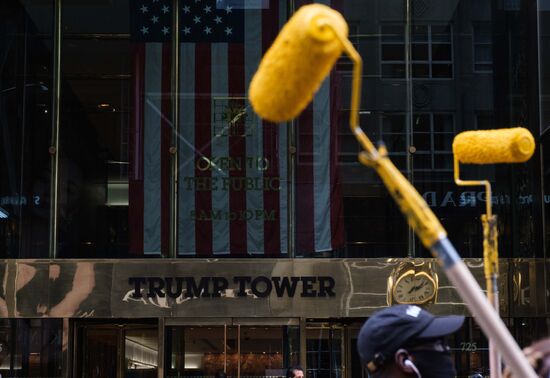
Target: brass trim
66,348
266,321
161,331
238,350
225,348
197,321
303,344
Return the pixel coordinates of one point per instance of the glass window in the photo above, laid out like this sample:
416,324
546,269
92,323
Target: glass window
116,350
251,351
114,131
432,138
470,350
245,187
324,352
431,46
483,47
25,124
31,347
233,167
418,119
544,59
545,153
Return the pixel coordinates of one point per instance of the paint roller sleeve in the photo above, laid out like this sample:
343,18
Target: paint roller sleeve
295,65
514,145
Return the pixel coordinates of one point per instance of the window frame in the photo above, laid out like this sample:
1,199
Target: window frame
430,43
475,62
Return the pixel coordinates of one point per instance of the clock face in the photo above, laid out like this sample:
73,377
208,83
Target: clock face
411,288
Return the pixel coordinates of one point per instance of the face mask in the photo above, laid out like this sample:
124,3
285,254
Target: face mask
432,364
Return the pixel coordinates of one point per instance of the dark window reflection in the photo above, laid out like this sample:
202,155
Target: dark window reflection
324,352
422,161
431,46
25,125
472,66
254,351
420,52
544,53
393,52
545,152
31,347
128,350
470,69
96,134
469,348
422,142
441,52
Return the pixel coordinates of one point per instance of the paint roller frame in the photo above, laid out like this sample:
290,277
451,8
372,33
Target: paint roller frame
490,255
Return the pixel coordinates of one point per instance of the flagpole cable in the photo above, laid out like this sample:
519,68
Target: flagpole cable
174,150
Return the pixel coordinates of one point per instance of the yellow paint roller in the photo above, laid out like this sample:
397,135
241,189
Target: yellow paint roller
292,70
514,145
307,39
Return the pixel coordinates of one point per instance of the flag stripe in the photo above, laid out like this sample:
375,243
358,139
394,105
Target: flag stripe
165,131
220,148
254,146
237,150
283,157
336,196
152,149
321,167
186,234
305,242
135,166
336,122
318,204
322,171
272,243
203,137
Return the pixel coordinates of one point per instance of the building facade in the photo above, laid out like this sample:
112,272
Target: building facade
152,225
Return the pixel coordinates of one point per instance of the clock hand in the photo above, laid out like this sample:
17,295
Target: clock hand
414,288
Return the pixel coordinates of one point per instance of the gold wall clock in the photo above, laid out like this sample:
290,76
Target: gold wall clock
412,283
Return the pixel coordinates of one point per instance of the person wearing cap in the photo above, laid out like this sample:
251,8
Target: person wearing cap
407,341
295,372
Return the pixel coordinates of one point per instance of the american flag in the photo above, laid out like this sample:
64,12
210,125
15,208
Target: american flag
233,169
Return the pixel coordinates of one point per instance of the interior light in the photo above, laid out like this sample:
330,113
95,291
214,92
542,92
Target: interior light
3,213
106,107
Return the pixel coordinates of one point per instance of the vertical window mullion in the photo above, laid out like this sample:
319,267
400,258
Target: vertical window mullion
430,51
431,140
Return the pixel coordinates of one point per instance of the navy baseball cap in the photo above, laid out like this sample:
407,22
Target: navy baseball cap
396,327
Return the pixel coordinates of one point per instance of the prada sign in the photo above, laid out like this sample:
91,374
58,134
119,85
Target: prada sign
237,286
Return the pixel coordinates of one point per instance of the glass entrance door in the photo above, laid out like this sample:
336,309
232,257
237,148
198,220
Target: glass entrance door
325,351
249,349
116,350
